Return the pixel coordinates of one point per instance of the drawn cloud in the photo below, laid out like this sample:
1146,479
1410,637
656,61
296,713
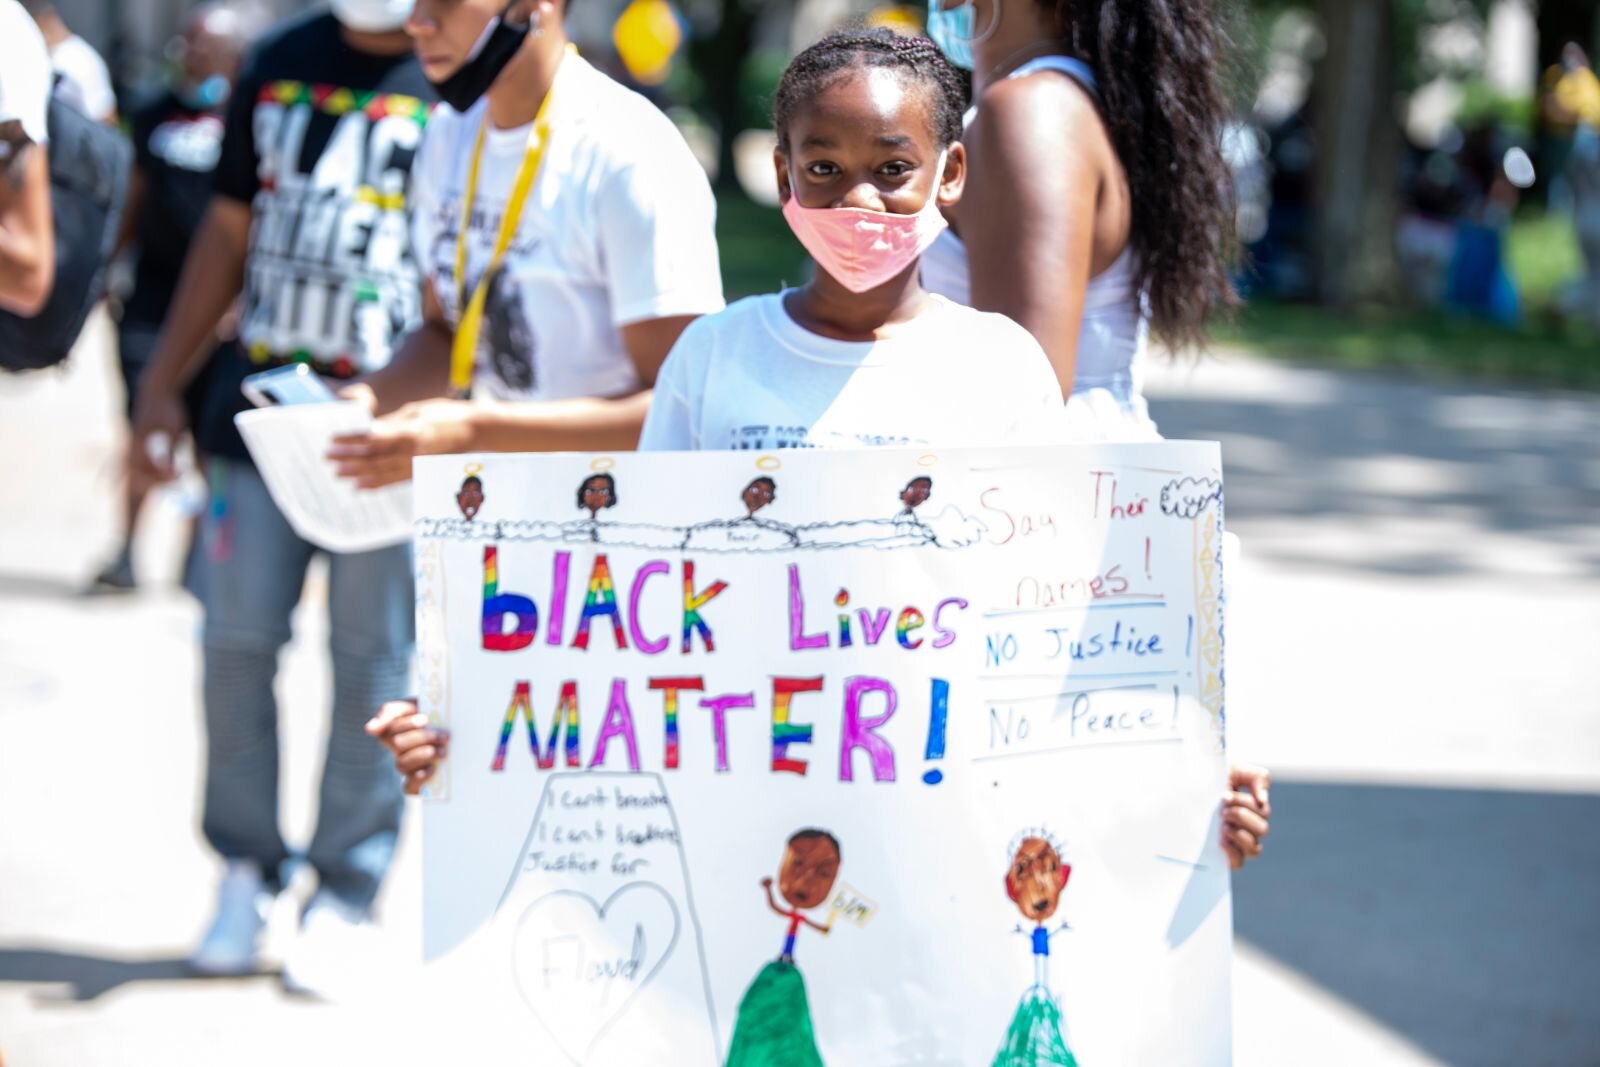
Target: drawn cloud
1188,497
952,528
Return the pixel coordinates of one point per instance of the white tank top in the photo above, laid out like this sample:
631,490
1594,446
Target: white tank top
1107,401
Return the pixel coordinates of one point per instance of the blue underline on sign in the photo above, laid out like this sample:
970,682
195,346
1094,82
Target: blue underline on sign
1083,677
1146,687
1100,605
1067,678
1073,748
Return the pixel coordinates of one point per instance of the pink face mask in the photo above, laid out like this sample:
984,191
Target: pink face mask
862,248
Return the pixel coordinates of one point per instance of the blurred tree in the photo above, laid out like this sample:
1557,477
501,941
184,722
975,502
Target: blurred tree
1373,51
1358,151
719,55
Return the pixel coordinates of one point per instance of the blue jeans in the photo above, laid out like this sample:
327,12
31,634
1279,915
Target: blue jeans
248,572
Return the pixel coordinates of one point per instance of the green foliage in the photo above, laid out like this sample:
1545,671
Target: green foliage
759,254
1542,255
1413,20
758,84
1543,352
1482,105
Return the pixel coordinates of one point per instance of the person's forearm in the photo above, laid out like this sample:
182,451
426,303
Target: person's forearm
420,369
213,275
25,273
582,425
27,244
132,209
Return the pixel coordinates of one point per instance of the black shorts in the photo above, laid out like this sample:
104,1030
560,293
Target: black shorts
136,345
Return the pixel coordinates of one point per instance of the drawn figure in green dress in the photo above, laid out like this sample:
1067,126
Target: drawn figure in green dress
1035,879
774,1024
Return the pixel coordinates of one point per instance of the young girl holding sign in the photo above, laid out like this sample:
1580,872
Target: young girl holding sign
868,153
867,125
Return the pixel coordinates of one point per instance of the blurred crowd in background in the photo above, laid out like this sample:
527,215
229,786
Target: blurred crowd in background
1463,174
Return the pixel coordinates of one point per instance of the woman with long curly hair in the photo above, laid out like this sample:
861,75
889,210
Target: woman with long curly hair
1097,209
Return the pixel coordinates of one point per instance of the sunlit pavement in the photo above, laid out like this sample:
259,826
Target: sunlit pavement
1411,643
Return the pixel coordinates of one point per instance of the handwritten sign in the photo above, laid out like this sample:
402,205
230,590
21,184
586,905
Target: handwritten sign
872,758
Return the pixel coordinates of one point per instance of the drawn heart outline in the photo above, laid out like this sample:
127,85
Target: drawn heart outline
576,1026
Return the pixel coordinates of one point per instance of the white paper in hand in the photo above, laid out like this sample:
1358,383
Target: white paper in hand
290,447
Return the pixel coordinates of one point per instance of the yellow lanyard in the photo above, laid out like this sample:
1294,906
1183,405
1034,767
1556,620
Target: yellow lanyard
464,348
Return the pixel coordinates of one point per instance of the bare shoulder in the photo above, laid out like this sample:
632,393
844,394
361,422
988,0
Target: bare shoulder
1040,95
1041,106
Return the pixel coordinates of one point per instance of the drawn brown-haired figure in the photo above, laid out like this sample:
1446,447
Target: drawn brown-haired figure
805,880
908,524
916,493
470,498
758,494
1034,881
596,493
749,532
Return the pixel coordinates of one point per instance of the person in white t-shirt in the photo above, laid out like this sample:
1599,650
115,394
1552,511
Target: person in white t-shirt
868,125
85,81
556,317
27,238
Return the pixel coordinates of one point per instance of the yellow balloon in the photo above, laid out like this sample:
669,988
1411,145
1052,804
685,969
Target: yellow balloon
647,36
901,18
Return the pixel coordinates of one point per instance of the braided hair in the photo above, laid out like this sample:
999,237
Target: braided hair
1159,66
842,51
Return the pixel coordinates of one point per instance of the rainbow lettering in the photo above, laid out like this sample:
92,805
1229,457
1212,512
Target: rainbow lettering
544,756
671,687
910,620
719,708
497,606
692,603
784,732
602,600
842,601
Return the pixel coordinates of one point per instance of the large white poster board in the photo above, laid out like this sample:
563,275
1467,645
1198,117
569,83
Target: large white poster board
861,759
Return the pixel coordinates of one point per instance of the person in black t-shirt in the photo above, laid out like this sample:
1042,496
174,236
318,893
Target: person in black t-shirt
177,138
307,229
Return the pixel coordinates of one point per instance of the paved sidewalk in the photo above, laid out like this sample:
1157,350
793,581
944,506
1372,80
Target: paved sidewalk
1409,641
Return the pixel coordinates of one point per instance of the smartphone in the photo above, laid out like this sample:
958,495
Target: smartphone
294,384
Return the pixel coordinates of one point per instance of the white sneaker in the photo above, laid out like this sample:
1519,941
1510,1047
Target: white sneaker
243,905
335,956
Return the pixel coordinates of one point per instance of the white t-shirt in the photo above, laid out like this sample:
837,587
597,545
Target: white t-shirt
24,74
619,229
753,378
85,81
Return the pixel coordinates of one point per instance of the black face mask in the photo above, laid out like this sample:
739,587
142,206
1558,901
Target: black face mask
463,88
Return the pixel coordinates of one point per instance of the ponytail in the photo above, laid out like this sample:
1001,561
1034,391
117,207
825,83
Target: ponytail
1159,66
